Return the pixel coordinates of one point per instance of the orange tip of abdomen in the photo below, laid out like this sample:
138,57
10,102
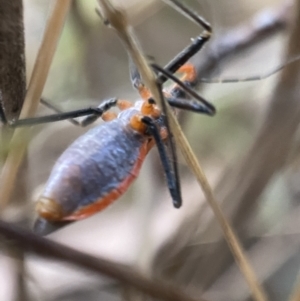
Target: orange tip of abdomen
49,209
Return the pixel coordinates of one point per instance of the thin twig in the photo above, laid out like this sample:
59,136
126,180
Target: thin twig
263,25
270,254
234,41
35,88
118,21
45,247
231,238
294,77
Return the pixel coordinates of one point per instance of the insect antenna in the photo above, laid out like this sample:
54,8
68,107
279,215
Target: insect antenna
250,78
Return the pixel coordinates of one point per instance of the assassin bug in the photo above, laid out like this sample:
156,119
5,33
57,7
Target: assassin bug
99,166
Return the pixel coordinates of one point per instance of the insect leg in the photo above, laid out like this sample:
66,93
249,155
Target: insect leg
136,79
172,176
171,145
210,109
135,76
188,104
180,59
196,44
106,116
177,99
105,106
52,107
124,104
93,115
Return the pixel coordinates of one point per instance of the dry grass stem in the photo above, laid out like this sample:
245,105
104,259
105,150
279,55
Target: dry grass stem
39,75
295,296
118,21
294,76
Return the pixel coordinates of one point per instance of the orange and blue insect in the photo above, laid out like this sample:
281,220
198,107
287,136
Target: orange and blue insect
100,165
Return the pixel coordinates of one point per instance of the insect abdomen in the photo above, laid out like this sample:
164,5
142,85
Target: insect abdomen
95,170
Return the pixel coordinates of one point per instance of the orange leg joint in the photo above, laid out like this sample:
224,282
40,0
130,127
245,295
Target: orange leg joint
189,72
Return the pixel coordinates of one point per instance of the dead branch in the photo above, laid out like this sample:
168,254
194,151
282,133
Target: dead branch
47,248
12,58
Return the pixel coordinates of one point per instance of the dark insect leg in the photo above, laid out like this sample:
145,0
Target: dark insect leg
93,115
172,67
172,176
187,75
210,109
196,44
135,76
171,172
52,107
179,6
176,100
182,57
187,104
105,106
171,144
177,63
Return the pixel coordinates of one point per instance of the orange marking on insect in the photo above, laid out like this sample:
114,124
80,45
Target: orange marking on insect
102,203
124,104
189,72
150,109
137,124
49,209
144,92
108,116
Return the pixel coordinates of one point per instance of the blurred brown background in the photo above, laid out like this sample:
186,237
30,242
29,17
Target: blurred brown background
143,229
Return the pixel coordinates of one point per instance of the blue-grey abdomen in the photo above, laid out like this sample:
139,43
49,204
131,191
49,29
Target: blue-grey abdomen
95,164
